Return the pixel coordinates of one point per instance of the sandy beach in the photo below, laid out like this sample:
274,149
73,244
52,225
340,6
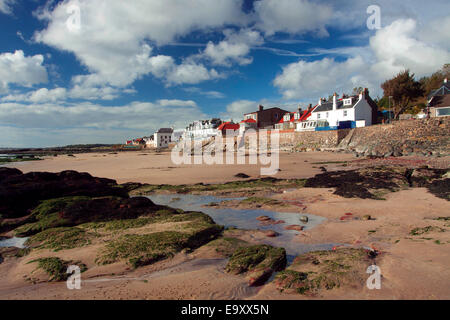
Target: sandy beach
413,267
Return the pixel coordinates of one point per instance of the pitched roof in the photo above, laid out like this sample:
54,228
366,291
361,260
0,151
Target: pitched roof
328,106
440,101
443,90
228,126
249,121
264,110
165,130
307,113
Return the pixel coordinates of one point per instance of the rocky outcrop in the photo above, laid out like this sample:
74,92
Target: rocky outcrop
72,211
21,192
257,262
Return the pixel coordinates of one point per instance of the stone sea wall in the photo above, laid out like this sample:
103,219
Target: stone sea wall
430,137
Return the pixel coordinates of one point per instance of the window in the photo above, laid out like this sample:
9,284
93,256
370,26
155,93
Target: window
326,115
443,112
318,116
347,102
345,113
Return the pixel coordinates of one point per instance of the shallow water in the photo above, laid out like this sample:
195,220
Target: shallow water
13,242
246,219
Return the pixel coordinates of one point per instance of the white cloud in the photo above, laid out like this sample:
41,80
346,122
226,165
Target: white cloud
6,6
106,124
396,47
234,48
112,37
16,68
292,16
319,78
209,94
237,109
391,50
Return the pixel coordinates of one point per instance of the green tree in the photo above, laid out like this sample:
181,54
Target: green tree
404,90
357,90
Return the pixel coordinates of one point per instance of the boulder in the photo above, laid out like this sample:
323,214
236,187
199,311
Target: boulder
304,219
20,192
294,227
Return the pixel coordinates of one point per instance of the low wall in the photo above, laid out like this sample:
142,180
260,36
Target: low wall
409,137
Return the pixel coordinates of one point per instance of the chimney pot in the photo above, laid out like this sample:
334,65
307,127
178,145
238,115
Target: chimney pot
261,108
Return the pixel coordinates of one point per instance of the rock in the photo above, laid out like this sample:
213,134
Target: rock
257,262
242,175
294,227
397,153
304,219
21,192
366,217
263,218
271,234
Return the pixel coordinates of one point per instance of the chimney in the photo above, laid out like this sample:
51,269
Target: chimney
445,80
335,101
299,109
363,93
310,107
261,108
320,102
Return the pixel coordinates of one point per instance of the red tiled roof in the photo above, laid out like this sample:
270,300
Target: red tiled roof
249,121
228,126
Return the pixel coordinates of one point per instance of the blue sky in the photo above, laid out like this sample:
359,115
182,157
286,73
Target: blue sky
98,71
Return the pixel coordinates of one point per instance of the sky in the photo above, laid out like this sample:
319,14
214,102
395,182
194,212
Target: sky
105,71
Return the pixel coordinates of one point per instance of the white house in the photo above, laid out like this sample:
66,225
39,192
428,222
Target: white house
202,129
359,110
163,137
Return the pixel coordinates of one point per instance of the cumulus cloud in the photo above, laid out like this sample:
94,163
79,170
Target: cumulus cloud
292,16
392,49
6,6
107,124
16,68
234,48
113,37
397,47
237,109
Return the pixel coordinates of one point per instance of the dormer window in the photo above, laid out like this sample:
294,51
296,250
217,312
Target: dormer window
287,117
348,102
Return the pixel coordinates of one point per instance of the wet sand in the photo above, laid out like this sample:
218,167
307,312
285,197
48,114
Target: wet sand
412,267
157,168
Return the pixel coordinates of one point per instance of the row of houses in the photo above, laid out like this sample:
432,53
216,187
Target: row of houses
349,111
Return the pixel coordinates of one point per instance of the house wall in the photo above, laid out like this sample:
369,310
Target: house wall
363,111
162,140
334,116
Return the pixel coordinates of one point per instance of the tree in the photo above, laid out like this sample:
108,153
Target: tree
357,90
404,90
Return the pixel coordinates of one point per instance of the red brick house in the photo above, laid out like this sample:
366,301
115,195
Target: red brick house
266,118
